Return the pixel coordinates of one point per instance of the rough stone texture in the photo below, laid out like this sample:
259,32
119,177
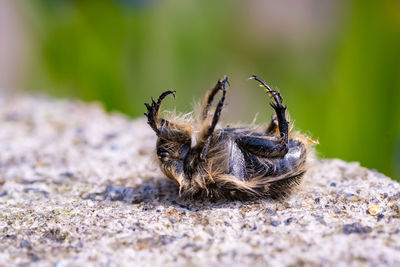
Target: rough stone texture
79,186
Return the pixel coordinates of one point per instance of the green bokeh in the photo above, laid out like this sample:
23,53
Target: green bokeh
343,88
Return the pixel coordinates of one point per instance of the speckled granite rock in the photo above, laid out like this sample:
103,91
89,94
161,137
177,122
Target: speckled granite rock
78,186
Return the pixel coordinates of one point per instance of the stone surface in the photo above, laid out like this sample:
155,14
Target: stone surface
78,186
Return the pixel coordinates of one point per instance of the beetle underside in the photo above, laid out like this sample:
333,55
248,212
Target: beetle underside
231,163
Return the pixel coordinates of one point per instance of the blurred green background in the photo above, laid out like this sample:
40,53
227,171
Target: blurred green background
337,63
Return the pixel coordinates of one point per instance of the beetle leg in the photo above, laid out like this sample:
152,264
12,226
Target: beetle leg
152,112
220,85
277,105
263,147
164,128
215,119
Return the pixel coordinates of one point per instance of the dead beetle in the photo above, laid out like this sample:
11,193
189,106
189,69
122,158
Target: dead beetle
235,163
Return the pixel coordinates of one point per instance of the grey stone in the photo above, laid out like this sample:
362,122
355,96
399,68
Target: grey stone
356,228
79,187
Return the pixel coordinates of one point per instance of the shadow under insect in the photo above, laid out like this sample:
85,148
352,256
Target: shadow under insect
161,192
150,191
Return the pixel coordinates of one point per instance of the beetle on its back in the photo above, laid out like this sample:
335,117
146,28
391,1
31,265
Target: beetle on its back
231,163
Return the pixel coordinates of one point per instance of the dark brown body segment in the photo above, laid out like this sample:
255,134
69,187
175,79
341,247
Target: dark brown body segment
247,170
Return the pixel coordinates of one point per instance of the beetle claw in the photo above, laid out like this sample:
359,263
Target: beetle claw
274,94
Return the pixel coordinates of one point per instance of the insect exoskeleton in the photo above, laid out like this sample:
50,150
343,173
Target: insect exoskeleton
236,163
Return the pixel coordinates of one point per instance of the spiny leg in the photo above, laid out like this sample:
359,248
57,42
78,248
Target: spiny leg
164,128
214,121
265,147
220,85
152,111
277,105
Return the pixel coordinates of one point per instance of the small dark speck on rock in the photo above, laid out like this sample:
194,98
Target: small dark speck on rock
185,207
317,200
4,194
147,188
166,239
275,223
24,181
11,236
110,136
11,116
356,228
320,219
270,212
116,193
123,163
36,191
56,235
333,184
152,242
79,131
380,217
336,210
195,247
25,244
132,228
348,195
67,174
35,259
288,221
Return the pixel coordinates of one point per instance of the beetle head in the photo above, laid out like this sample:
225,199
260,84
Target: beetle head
171,155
